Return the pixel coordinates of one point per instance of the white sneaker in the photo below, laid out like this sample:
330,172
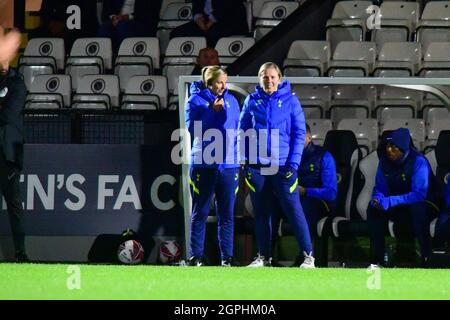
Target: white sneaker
374,267
260,261
308,263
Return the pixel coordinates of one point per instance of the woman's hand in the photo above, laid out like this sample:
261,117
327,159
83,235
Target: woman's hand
218,104
9,44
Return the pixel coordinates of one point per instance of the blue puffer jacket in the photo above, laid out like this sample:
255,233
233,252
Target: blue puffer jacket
199,108
281,111
407,180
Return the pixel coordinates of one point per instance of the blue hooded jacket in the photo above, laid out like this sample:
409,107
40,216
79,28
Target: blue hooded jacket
280,110
199,108
317,174
407,180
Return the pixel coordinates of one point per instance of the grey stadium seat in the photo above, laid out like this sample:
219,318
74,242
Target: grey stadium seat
366,132
396,102
343,226
49,92
315,99
434,24
349,101
431,114
398,59
180,59
319,129
42,56
137,56
230,48
271,14
307,58
398,22
175,15
343,147
348,22
352,59
88,56
436,60
97,92
145,93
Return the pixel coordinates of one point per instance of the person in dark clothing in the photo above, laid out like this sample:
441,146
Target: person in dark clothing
12,100
405,191
54,17
206,57
214,19
128,18
317,183
443,224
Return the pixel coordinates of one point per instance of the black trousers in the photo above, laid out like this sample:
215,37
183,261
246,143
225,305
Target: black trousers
9,188
415,217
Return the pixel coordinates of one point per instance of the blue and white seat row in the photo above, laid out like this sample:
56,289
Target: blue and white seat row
136,56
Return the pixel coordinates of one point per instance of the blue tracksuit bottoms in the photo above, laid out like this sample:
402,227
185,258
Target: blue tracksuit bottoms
314,209
264,191
204,183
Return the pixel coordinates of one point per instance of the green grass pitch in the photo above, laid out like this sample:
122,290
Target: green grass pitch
60,281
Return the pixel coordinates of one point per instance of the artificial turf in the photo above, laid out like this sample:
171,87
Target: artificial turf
52,281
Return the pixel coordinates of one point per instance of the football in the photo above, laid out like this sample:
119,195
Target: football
130,252
170,252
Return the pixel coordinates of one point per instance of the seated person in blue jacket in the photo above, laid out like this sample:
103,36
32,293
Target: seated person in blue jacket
405,192
211,106
317,183
443,224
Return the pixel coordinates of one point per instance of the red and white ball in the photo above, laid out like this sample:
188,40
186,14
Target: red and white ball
170,251
130,252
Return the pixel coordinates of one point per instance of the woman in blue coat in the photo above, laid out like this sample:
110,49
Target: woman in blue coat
212,116
273,120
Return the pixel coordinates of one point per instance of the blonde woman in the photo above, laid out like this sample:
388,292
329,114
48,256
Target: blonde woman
212,109
273,109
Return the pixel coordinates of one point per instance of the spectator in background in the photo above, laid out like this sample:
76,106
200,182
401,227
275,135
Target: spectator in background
206,57
54,17
128,18
12,100
214,19
405,191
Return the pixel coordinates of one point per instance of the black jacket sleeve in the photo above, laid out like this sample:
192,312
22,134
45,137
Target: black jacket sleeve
11,121
197,6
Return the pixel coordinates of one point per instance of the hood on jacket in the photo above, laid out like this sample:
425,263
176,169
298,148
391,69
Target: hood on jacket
196,87
401,138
